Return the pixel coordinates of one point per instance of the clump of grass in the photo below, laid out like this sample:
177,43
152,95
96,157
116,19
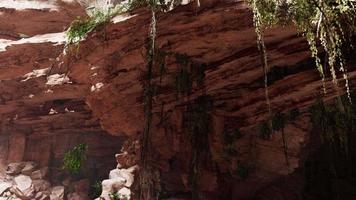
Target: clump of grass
81,26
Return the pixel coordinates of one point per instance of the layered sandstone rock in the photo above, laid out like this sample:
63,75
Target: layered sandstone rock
104,91
43,113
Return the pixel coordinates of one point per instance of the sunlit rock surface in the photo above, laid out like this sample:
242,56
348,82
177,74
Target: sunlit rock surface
100,101
43,113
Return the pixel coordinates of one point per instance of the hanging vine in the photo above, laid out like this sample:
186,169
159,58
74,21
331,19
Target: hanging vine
257,19
147,190
329,22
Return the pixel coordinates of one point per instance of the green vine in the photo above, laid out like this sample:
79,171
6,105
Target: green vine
331,22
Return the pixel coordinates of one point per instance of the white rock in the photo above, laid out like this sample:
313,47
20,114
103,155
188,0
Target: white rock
52,112
4,187
25,4
110,186
122,17
57,79
96,87
124,193
67,110
57,193
23,182
35,74
126,174
49,91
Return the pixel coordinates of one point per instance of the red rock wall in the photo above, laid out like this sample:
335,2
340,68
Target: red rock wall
219,36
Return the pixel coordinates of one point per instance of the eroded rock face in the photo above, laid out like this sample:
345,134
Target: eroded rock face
44,114
103,94
220,39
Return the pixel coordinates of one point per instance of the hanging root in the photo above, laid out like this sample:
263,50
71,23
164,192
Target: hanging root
262,48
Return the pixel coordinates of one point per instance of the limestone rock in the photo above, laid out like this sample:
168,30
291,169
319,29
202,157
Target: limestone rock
4,187
14,168
126,174
57,193
124,193
111,185
23,182
39,174
41,185
28,168
42,196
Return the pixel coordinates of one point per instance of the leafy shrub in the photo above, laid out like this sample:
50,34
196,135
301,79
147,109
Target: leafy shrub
73,159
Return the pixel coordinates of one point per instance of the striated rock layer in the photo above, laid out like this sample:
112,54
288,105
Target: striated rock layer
43,114
105,92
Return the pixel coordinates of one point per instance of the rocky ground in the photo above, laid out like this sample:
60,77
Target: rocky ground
24,180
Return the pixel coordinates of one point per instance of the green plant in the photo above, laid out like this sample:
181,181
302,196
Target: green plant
331,22
81,26
114,196
73,159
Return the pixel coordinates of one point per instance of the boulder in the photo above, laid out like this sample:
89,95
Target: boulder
4,187
42,196
39,174
124,193
126,174
57,193
41,185
23,182
24,195
110,186
29,167
14,168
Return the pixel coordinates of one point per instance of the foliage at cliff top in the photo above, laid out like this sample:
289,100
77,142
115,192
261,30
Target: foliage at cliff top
328,22
81,26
